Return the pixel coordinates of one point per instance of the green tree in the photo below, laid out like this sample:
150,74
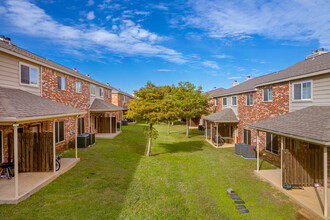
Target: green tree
191,102
147,106
169,106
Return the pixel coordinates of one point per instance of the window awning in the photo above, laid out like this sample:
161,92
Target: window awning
311,124
224,116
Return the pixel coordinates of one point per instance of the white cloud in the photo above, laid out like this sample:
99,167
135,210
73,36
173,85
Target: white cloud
163,70
235,77
159,6
142,12
210,64
127,38
298,20
2,10
108,17
90,3
222,56
90,15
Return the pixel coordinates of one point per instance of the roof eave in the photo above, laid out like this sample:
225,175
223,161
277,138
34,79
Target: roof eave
236,93
319,142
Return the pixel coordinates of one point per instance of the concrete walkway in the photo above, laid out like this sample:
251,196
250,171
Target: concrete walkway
107,135
31,182
310,198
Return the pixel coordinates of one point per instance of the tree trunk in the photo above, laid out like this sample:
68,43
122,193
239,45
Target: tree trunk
149,144
169,126
187,131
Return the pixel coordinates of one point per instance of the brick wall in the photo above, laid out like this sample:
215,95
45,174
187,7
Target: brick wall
117,99
106,97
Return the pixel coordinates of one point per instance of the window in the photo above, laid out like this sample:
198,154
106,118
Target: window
247,137
78,87
302,91
59,131
29,74
234,101
109,94
216,102
61,82
272,143
249,99
101,92
224,101
81,125
1,151
93,89
95,120
20,130
268,95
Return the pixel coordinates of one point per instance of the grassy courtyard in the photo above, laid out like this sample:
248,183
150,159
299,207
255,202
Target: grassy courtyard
185,179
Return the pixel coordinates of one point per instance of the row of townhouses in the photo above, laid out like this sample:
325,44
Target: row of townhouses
44,106
285,114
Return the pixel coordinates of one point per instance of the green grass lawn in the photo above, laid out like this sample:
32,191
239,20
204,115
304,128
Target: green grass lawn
185,179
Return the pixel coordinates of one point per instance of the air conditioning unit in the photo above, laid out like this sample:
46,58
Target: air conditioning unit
249,151
91,138
238,148
83,140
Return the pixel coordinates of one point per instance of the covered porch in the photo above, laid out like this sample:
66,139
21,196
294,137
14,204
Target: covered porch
304,143
103,119
30,126
221,128
31,182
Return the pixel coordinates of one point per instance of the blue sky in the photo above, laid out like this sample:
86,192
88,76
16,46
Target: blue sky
207,42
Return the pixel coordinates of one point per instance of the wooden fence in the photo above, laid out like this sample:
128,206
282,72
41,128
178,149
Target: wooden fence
35,151
104,125
302,164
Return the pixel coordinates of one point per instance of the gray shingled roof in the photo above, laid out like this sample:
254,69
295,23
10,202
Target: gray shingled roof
30,55
311,123
226,115
16,105
311,65
103,106
213,92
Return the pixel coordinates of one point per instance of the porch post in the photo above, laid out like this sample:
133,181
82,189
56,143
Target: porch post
54,147
89,122
111,123
217,134
76,136
325,179
211,132
282,147
120,119
206,130
110,116
16,158
258,143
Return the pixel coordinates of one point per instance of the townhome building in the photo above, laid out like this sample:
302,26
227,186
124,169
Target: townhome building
44,106
286,115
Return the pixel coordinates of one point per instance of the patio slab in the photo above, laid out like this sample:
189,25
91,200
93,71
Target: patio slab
107,135
31,182
225,145
310,198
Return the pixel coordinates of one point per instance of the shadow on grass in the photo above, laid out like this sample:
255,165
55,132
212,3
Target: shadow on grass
188,147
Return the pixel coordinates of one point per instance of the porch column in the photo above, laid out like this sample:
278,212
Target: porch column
111,123
89,122
325,179
54,147
211,132
76,137
258,143
217,134
205,130
16,158
120,119
282,147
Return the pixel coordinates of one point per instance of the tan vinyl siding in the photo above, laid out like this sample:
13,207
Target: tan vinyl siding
320,93
9,74
234,108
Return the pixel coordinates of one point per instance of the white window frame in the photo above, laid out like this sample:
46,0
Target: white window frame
216,102
1,140
263,96
232,100
109,94
101,93
61,83
225,98
93,86
77,82
20,75
58,127
301,91
247,97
